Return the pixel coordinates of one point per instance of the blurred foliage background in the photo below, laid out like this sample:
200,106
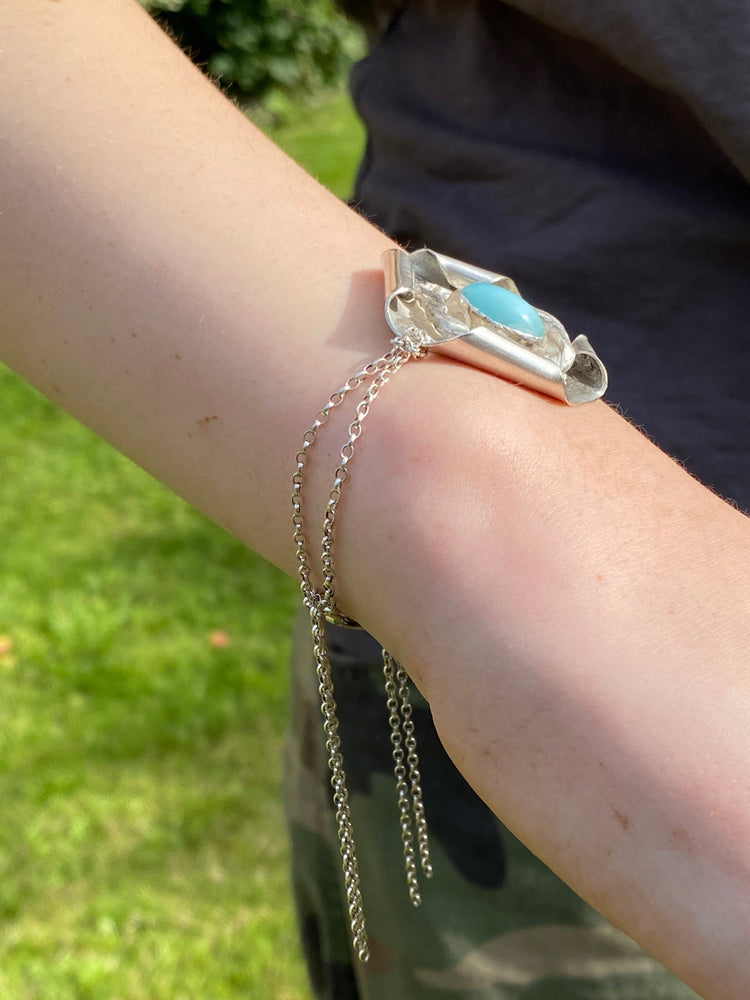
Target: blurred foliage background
143,663
268,53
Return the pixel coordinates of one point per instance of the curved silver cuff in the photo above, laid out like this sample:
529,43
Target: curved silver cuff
425,306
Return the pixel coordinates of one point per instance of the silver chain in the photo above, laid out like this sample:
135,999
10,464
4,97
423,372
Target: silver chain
409,796
415,778
321,603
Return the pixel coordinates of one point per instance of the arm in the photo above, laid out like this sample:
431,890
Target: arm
572,603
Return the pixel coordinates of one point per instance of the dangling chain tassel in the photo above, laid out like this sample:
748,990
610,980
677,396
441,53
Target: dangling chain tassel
338,784
322,607
410,804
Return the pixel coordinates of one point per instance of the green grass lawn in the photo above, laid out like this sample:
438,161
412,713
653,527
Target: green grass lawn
143,679
327,138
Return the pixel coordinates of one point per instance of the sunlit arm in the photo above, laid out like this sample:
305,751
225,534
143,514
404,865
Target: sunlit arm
575,607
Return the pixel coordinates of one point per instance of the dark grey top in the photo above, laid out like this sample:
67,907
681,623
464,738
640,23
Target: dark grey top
599,153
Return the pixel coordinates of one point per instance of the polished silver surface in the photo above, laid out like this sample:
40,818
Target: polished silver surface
424,303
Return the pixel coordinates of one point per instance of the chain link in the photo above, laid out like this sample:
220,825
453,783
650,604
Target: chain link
402,789
321,417
342,472
415,778
321,606
340,790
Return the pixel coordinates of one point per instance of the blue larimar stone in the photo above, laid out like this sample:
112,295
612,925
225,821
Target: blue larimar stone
504,307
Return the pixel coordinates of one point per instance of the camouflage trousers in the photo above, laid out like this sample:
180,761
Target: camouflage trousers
494,921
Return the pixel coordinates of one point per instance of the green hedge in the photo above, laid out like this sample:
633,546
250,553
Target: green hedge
261,49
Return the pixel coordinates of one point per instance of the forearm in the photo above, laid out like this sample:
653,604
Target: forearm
593,600
179,285
169,276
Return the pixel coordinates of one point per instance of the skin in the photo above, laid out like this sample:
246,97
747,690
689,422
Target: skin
575,607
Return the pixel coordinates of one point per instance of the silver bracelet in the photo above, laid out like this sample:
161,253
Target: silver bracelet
433,303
